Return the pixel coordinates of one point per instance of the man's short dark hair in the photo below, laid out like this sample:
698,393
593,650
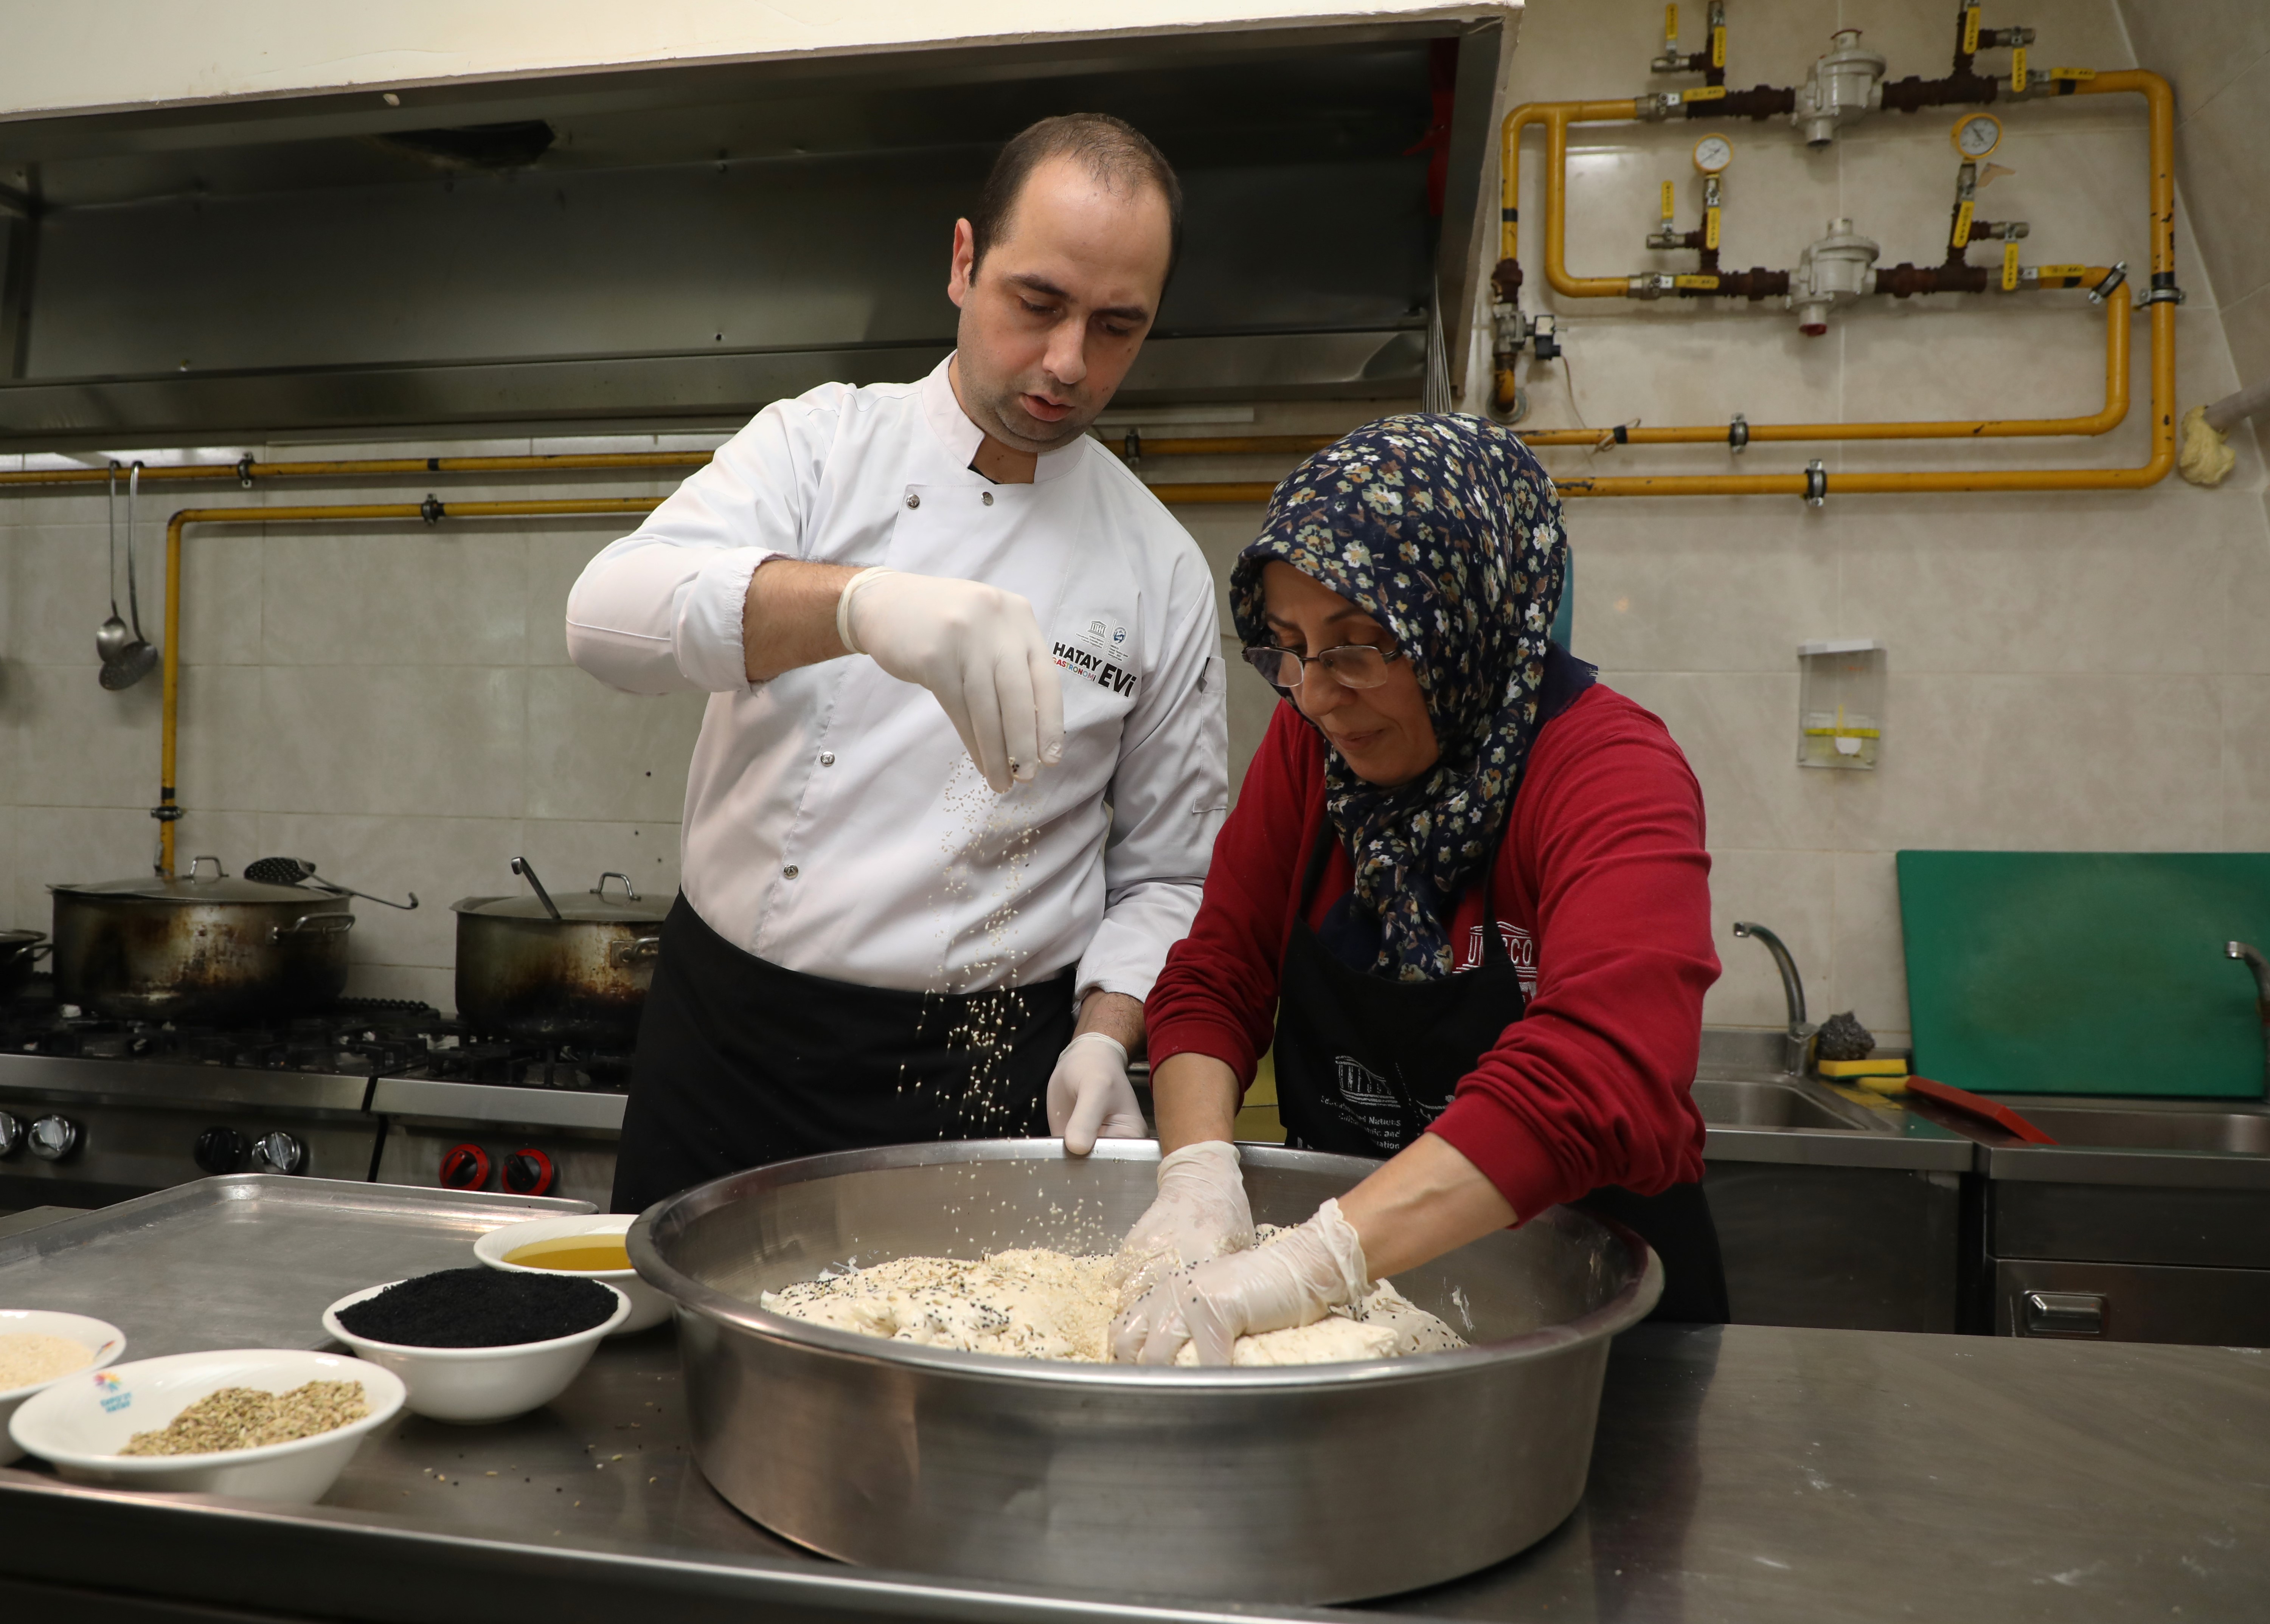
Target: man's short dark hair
1118,156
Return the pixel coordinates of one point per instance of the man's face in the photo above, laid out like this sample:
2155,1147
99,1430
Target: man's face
1053,318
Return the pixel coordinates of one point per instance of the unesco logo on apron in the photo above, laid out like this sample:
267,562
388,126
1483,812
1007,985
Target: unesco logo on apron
1369,1103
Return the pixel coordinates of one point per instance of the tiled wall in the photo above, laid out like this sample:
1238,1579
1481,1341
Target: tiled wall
2076,672
390,701
2217,52
2071,672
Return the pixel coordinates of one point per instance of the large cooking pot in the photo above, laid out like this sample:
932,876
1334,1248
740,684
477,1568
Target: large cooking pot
18,951
574,971
199,948
1317,1483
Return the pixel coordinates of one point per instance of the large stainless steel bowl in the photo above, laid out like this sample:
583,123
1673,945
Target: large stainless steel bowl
1319,1483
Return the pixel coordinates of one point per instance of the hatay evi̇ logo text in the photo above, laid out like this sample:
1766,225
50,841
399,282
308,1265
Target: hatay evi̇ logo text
1095,653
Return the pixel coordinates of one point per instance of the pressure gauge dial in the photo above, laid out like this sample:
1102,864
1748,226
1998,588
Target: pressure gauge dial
1713,153
1977,135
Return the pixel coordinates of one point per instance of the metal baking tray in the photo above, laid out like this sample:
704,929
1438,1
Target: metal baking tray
249,1259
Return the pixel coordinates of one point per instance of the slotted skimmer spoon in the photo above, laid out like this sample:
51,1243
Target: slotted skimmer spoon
299,870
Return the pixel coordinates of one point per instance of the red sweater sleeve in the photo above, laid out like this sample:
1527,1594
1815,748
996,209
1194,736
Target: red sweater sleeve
1217,994
1603,862
1592,1087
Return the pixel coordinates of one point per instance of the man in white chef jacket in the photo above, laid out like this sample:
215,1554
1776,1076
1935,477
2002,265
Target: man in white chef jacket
964,757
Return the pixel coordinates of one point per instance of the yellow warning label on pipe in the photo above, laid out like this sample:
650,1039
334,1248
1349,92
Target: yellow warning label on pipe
1709,228
1704,283
2073,73
1963,222
2071,273
1718,47
2018,69
1669,194
1969,30
2009,267
1704,92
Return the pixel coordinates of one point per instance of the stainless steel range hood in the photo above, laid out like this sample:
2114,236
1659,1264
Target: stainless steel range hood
679,245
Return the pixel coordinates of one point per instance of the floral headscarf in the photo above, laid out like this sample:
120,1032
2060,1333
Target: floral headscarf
1444,530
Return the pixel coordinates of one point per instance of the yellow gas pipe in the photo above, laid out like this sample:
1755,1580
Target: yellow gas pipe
168,810
1557,116
247,470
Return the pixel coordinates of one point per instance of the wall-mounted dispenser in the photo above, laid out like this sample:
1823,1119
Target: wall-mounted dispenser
1840,703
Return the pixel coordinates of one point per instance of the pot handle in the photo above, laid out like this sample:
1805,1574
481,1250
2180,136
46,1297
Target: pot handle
600,890
638,949
313,925
219,873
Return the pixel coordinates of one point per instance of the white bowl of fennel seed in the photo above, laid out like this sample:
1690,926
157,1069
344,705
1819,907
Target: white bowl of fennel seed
201,1423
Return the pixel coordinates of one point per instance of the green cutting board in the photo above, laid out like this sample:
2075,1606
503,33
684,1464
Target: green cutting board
2085,972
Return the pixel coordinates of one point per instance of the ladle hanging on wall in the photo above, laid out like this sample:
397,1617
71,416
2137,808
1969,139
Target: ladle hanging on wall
111,637
138,659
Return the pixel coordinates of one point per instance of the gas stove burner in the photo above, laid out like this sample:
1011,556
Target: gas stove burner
521,1065
355,1038
359,1037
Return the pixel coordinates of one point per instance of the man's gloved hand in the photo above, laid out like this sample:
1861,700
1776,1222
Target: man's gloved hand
1294,1280
1089,1095
978,650
1200,1212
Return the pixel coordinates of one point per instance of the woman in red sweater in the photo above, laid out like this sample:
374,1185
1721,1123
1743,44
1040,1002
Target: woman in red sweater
1468,882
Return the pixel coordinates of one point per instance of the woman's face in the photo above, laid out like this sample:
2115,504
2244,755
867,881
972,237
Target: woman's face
1383,733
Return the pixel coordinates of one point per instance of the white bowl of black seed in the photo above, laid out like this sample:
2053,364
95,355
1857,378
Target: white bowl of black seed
275,1424
479,1345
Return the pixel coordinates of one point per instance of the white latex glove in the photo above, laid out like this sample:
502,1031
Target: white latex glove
1297,1279
1089,1095
978,650
1200,1212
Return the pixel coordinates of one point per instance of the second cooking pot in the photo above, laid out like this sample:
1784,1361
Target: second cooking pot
199,948
19,950
575,971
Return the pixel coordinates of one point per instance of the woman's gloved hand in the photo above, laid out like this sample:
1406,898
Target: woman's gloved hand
1200,1212
1089,1095
978,650
1294,1280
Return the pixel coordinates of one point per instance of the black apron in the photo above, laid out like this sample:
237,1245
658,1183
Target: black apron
741,1062
1364,1064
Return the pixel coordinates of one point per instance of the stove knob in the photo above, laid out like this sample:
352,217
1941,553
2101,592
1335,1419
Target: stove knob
464,1167
53,1137
11,1135
279,1153
219,1149
528,1173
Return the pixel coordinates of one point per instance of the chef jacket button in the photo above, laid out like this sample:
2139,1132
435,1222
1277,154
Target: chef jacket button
827,758
788,873
913,500
987,497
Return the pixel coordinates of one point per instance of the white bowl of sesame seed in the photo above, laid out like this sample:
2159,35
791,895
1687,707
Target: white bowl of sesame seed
209,1416
34,1343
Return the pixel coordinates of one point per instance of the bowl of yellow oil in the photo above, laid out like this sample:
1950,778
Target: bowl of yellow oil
590,1244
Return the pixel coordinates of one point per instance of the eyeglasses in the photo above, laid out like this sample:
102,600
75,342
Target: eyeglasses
1352,665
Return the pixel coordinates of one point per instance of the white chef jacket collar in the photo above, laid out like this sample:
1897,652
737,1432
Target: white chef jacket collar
962,437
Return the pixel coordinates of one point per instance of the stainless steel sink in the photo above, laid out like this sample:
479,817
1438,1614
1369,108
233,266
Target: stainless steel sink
2173,1124
1759,1102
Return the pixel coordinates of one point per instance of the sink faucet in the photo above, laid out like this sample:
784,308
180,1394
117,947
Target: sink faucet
1797,1038
2253,960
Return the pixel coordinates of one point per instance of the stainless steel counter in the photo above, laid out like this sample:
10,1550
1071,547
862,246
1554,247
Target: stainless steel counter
1750,1473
